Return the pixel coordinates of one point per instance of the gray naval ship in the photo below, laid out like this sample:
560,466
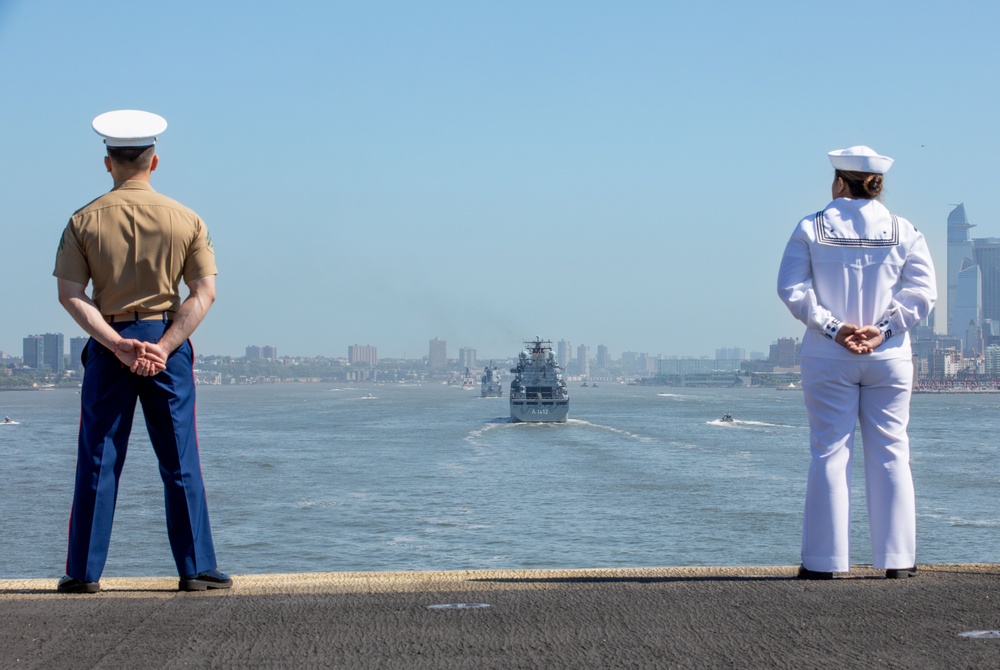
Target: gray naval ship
492,386
538,391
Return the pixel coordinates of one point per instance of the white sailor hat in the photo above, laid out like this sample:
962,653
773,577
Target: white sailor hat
860,159
129,128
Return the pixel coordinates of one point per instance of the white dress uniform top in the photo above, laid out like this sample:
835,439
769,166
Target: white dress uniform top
855,262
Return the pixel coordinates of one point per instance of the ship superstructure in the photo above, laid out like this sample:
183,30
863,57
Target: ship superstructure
538,391
492,385
468,381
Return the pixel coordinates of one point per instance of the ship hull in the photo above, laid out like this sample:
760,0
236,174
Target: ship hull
539,411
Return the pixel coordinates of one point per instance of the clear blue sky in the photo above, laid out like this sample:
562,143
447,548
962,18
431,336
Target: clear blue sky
384,173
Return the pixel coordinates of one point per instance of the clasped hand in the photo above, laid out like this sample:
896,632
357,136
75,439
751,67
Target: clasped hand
859,339
143,358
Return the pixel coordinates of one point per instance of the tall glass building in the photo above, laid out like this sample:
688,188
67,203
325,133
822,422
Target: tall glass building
45,351
76,345
959,251
968,310
986,254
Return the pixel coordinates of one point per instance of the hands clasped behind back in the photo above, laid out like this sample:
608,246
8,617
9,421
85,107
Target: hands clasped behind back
143,358
859,339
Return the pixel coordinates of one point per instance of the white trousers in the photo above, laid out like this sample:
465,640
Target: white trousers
838,394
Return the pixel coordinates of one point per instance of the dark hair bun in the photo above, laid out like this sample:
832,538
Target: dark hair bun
873,185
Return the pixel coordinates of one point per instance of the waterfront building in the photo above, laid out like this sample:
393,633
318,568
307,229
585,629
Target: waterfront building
924,342
55,352
993,361
731,354
466,358
268,352
564,352
973,340
645,363
45,351
33,351
959,251
991,332
968,309
437,357
603,360
785,352
637,362
973,280
583,360
76,345
986,254
365,354
945,362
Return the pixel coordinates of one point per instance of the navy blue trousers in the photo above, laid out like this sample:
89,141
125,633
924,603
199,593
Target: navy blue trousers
108,397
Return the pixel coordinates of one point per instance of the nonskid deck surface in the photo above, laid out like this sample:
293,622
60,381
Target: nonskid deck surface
594,618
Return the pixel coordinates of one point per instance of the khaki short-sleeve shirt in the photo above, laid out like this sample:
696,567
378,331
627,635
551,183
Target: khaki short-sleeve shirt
135,245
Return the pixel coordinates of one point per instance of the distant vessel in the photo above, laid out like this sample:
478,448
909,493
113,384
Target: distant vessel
492,385
727,417
468,381
538,391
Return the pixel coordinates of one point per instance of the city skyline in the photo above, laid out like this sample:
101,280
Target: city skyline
947,281
389,172
367,353
963,278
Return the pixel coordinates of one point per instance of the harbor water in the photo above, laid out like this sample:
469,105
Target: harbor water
318,477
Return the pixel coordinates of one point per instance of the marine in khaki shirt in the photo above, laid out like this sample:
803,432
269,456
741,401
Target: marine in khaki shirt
136,246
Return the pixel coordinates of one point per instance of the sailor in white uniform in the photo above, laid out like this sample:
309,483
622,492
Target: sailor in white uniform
860,278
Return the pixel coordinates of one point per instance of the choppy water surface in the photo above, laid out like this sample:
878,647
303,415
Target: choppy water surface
313,477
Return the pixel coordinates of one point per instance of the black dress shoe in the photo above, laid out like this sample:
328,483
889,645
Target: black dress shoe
210,579
901,574
69,585
805,573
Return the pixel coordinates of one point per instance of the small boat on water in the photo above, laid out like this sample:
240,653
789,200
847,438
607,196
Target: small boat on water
468,381
727,418
7,421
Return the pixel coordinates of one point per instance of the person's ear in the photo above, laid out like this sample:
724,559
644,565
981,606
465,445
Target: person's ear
153,163
840,189
107,163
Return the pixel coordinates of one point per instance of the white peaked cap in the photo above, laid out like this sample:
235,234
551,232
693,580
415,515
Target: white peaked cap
860,159
129,127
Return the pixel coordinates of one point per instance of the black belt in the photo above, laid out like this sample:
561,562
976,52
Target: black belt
139,316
